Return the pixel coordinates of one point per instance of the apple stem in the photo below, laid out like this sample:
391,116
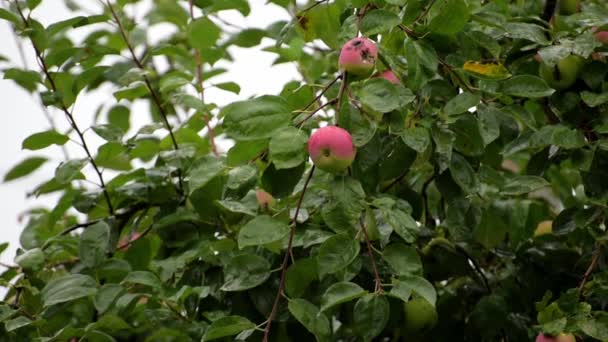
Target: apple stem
378,288
286,258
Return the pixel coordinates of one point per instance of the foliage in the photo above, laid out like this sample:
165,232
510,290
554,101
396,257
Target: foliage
456,167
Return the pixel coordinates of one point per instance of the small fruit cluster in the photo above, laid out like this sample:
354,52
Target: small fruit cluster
331,148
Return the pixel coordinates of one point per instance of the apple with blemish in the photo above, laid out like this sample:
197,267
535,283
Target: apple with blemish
563,337
331,149
602,37
389,76
358,56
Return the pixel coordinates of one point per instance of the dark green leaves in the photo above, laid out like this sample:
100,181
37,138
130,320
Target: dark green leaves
203,33
340,293
450,18
255,119
309,315
526,86
378,21
44,139
94,244
244,272
371,314
336,253
68,288
262,230
287,148
227,326
383,96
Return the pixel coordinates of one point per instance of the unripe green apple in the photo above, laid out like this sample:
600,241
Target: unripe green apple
563,74
568,7
358,56
331,149
544,227
420,316
563,337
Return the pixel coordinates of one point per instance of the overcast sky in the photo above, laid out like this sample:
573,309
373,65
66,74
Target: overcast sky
24,116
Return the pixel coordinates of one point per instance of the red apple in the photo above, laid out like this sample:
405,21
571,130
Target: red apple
563,337
389,76
602,37
358,56
331,149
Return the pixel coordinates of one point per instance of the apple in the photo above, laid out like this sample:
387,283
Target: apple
563,74
265,200
602,37
331,149
563,337
358,56
544,227
389,76
568,7
420,316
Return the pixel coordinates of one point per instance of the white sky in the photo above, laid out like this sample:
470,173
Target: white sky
23,115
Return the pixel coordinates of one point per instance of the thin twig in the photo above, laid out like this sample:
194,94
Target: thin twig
424,13
199,80
323,91
453,72
130,242
317,3
343,86
67,113
137,61
592,265
476,267
378,288
330,102
294,224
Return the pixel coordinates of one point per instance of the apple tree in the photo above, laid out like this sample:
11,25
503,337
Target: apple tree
454,187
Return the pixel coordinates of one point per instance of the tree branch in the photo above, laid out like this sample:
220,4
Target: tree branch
199,80
330,102
592,265
343,86
294,224
67,113
378,288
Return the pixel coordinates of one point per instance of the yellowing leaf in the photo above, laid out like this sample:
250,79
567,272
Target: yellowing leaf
489,70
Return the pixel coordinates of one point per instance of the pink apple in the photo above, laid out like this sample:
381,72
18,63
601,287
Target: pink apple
602,37
331,149
559,338
358,56
389,76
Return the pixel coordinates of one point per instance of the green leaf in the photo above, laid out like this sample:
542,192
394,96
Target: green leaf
227,326
243,152
371,314
10,16
68,288
380,95
27,79
526,86
244,272
377,21
114,156
451,17
94,243
70,170
24,168
107,296
255,119
521,185
339,293
461,103
202,171
402,258
16,323
32,260
531,32
419,285
41,140
311,318
463,174
109,132
491,230
203,33
145,278
557,135
262,230
402,223
300,275
336,253
417,138
594,100
344,206
288,148
229,86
